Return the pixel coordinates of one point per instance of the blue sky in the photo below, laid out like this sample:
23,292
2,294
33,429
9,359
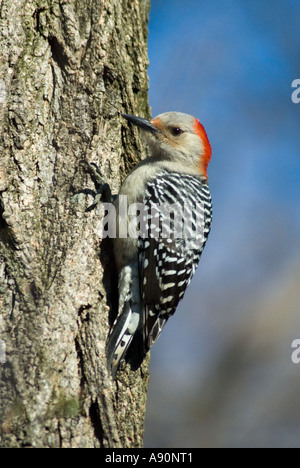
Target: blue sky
231,64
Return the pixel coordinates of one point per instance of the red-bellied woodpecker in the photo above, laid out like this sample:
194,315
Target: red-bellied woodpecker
157,261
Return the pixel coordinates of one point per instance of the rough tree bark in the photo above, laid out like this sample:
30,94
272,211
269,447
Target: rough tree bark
66,68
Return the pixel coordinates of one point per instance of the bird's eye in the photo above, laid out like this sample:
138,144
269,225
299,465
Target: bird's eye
176,131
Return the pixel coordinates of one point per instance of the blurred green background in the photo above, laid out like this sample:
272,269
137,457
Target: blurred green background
222,374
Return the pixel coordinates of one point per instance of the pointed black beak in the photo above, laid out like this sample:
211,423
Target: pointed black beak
141,123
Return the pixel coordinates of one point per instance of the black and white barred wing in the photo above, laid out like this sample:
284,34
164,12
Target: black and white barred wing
160,293
169,254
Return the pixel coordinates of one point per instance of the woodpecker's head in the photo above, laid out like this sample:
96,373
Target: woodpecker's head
177,137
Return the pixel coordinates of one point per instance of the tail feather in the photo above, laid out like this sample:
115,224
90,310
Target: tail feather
154,332
128,320
119,341
121,337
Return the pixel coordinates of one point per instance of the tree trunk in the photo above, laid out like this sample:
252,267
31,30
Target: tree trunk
66,69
